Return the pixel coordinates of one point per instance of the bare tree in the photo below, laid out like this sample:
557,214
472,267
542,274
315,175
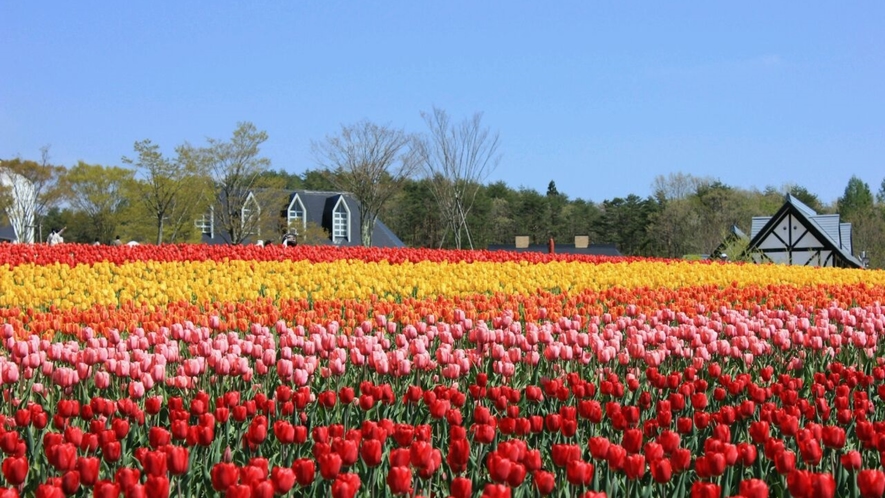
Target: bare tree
457,159
235,167
370,161
27,190
167,188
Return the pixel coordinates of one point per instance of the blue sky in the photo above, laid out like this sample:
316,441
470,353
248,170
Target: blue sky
599,97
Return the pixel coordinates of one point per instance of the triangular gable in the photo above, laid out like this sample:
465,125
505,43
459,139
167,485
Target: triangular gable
296,209
793,236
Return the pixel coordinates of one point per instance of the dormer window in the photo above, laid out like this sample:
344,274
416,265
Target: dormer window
249,214
341,222
296,216
206,224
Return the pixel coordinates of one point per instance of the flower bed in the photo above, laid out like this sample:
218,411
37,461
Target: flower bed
196,371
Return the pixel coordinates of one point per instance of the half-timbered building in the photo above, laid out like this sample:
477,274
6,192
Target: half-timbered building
797,235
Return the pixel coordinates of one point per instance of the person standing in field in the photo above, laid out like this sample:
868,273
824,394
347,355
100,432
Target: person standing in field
55,237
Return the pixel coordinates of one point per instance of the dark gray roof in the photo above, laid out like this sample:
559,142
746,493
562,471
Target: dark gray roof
318,207
827,227
591,250
7,233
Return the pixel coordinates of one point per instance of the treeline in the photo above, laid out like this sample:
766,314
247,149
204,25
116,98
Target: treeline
158,199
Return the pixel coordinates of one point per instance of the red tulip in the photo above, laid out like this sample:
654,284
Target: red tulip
705,490
305,471
158,436
238,491
632,440
747,454
399,479
419,453
64,456
127,477
579,473
177,459
517,474
851,460
496,491
157,486
49,491
634,466
284,431
805,483
459,455
346,486
871,483
544,482
810,451
330,465
264,489
348,451
88,467
669,440
283,479
680,460
70,482
112,451
759,432
461,487
155,463
661,470
754,488
370,451
153,404
616,457
562,454
106,489
532,460
15,470
599,447
833,436
224,476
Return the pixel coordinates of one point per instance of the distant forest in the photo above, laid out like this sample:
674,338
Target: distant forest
685,215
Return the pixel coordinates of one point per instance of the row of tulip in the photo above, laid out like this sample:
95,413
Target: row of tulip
67,285
197,371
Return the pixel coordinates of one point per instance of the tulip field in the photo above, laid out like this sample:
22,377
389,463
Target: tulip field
197,371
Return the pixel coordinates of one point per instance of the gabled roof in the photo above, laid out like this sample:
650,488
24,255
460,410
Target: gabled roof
7,233
318,206
827,228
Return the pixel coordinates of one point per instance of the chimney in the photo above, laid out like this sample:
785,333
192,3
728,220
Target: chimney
522,241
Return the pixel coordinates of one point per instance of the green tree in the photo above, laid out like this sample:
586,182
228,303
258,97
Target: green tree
318,180
414,217
530,215
857,199
173,191
102,193
806,197
235,166
371,162
624,223
556,202
27,190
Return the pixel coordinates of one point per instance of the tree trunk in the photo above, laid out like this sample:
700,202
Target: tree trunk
367,226
159,230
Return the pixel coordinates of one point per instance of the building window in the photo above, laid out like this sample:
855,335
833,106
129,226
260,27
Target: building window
295,216
340,223
204,224
249,215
